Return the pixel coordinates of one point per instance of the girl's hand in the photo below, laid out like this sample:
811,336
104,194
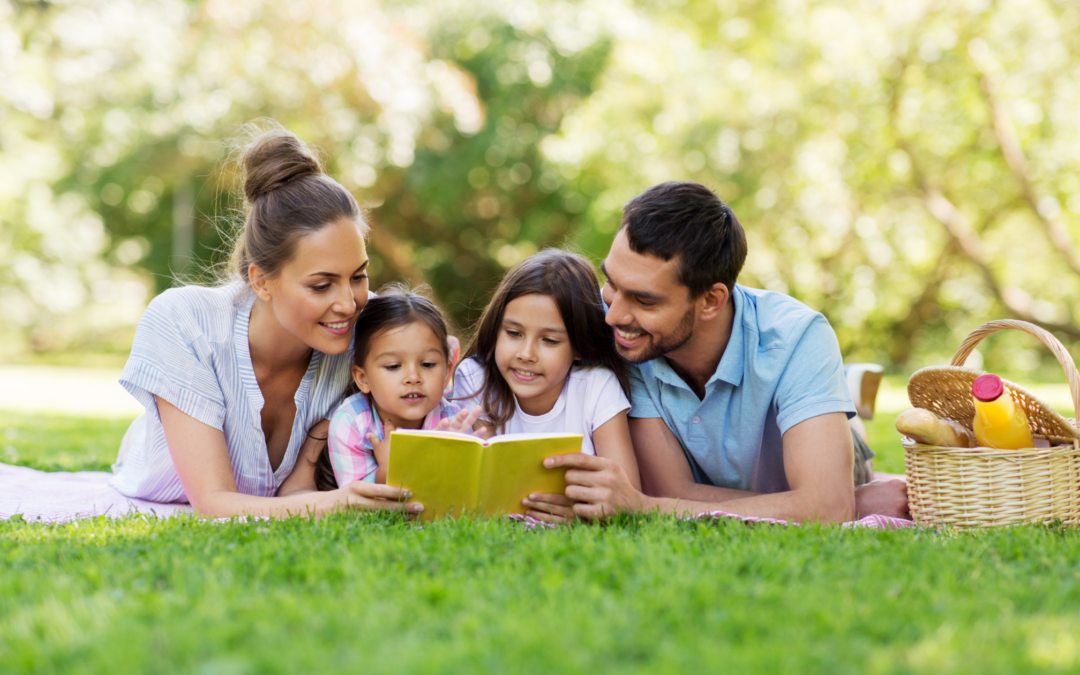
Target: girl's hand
381,450
483,430
462,422
550,507
361,495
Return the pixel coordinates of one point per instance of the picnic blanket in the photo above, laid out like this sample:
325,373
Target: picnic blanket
57,497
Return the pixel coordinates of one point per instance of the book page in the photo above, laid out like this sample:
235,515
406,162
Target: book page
441,469
513,467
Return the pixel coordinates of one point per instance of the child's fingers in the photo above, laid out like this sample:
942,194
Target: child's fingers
373,438
552,518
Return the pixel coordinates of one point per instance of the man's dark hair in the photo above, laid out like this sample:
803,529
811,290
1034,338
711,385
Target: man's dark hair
687,220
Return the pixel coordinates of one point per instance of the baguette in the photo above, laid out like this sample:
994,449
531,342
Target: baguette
923,426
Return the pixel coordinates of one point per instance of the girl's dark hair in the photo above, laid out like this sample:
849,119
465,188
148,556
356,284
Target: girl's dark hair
393,307
570,280
287,197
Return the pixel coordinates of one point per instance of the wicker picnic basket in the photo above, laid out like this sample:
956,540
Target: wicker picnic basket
971,488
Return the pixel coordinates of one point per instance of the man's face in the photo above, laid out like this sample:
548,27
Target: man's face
651,312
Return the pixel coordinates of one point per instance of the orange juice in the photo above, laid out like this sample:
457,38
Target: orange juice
999,422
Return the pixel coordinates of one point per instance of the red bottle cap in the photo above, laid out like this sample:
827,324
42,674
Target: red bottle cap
987,387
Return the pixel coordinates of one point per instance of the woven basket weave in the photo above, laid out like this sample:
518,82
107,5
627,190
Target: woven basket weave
970,488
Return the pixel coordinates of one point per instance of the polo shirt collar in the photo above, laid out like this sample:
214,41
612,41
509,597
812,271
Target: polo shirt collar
733,362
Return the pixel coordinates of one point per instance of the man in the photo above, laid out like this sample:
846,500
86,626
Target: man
739,400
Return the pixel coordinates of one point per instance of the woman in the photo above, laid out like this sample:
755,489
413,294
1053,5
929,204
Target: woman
233,377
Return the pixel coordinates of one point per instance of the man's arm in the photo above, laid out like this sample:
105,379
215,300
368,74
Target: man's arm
817,461
664,470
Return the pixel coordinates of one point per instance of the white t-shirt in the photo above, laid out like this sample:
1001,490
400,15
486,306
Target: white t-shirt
590,397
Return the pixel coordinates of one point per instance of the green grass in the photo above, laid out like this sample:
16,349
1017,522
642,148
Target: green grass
356,592
57,443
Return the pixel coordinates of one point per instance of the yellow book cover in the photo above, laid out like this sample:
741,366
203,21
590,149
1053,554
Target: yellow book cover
451,474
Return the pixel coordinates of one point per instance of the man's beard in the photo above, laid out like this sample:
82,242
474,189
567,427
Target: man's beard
680,336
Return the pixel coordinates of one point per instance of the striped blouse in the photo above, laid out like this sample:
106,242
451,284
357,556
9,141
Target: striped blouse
191,349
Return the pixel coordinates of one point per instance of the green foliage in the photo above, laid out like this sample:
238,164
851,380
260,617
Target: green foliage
910,170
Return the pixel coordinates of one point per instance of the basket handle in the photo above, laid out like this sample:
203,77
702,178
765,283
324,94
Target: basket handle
1060,353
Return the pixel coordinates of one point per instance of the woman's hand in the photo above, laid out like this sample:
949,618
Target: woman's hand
550,507
462,422
362,495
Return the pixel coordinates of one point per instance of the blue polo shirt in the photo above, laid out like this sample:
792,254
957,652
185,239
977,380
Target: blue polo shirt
781,366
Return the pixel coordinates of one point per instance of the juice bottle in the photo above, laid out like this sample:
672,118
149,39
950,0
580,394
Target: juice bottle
999,422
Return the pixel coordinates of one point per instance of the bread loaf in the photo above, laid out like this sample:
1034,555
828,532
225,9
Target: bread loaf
923,426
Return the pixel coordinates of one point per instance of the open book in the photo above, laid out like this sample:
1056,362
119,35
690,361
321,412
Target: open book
453,473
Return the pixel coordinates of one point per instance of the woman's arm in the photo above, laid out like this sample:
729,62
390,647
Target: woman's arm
201,459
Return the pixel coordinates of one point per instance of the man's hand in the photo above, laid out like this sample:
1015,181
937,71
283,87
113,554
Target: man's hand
598,485
884,497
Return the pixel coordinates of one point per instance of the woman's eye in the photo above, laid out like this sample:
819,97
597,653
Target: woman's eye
513,333
359,277
320,288
551,341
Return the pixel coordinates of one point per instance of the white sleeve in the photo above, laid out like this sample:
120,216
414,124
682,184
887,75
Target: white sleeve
604,397
468,384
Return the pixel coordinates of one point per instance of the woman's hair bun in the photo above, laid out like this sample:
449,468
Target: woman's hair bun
273,159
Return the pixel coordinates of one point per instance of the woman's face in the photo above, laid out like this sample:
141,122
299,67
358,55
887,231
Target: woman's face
319,292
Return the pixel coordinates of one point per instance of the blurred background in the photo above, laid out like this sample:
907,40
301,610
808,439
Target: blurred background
909,168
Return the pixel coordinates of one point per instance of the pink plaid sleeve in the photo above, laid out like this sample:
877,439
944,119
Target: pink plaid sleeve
350,453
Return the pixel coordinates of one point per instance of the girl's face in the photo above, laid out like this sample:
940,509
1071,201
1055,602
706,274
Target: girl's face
320,291
533,352
405,372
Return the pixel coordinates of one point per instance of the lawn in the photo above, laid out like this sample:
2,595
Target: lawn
369,593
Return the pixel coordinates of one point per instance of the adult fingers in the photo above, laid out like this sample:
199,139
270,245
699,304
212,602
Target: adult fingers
387,505
378,491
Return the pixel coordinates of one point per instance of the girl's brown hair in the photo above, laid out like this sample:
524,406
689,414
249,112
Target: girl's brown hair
570,280
393,307
287,196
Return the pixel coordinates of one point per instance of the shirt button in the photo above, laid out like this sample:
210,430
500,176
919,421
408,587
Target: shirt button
696,419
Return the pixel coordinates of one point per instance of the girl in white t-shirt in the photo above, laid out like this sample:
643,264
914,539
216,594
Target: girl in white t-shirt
543,361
